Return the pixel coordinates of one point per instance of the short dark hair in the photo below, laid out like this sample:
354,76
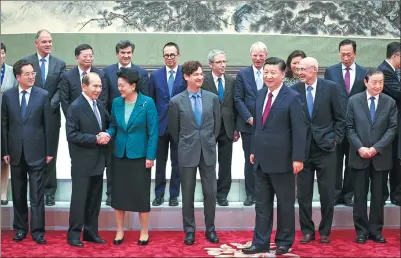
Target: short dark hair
17,67
275,61
171,44
3,47
347,42
371,72
82,47
130,76
393,48
293,54
190,67
124,44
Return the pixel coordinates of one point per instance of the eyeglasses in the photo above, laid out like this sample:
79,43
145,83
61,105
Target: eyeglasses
220,62
169,56
303,69
27,74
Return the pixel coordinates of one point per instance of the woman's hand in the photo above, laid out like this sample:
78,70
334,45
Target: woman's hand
149,163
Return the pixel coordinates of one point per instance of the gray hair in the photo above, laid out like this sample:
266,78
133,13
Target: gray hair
212,54
40,32
258,46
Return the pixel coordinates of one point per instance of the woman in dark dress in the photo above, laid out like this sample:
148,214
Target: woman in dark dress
134,128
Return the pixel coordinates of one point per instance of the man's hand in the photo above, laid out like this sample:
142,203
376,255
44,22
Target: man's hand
149,163
372,152
252,158
7,159
364,152
250,121
103,138
297,166
236,136
48,159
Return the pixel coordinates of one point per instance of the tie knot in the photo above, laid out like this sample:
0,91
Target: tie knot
258,72
219,79
347,68
94,102
270,95
171,72
195,95
372,98
43,60
84,73
24,92
310,88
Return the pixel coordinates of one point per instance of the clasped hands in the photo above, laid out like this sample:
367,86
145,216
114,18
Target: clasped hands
366,152
102,138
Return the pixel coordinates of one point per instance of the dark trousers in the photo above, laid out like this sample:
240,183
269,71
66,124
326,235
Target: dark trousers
225,154
374,224
161,161
248,169
344,184
266,186
324,164
209,185
109,166
19,184
395,177
86,197
50,172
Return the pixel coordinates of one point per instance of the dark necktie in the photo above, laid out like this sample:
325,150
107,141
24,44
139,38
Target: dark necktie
372,108
43,70
220,89
23,104
309,100
171,82
197,109
267,108
97,114
82,75
347,80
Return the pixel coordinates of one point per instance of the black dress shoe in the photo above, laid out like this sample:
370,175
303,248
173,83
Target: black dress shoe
307,238
173,201
19,236
50,200
96,239
118,241
40,240
189,238
158,201
222,201
212,237
282,249
361,239
4,202
143,242
249,201
377,238
255,250
75,243
108,200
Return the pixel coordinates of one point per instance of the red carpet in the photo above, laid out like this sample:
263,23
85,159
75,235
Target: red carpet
170,244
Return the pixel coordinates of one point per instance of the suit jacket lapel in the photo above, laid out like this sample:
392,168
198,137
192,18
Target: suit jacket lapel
302,92
339,72
77,77
187,104
206,101
251,76
280,97
119,109
177,80
31,103
379,108
259,106
227,90
138,108
36,68
87,108
17,103
365,107
319,93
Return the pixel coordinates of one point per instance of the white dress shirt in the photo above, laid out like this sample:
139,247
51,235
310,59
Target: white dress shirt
275,93
313,90
168,72
46,63
352,73
27,94
369,101
90,101
216,82
127,66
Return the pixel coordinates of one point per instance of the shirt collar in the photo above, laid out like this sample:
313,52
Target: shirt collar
352,67
127,66
313,85
256,70
390,64
276,91
90,101
81,71
46,58
199,92
368,96
168,69
27,90
215,77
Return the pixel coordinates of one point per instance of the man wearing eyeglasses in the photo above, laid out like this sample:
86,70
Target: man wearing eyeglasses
165,83
27,148
223,85
325,129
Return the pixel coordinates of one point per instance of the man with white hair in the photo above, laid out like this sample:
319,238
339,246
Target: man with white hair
325,129
249,80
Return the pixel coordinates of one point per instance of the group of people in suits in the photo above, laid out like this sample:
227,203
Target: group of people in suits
120,119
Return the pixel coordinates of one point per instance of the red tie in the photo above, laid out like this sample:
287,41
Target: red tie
267,108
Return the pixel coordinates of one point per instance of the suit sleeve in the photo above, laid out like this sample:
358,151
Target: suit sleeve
351,131
153,130
4,126
389,135
48,125
239,99
338,114
173,121
55,100
64,89
298,129
216,115
74,135
392,87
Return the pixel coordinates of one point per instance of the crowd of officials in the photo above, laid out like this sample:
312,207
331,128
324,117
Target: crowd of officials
293,125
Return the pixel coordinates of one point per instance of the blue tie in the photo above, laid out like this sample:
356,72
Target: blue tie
372,108
171,82
309,100
197,109
23,104
220,89
259,81
43,70
97,115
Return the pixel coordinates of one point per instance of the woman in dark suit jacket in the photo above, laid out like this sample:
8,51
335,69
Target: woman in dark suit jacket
134,127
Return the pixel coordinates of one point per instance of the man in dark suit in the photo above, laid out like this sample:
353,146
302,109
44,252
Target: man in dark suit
223,85
48,70
26,139
349,77
278,153
371,127
165,83
86,119
124,51
194,124
325,129
70,84
248,81
392,87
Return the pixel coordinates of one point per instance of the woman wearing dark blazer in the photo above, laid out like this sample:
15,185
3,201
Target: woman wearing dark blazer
134,128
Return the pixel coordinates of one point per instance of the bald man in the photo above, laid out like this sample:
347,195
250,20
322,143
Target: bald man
86,122
325,129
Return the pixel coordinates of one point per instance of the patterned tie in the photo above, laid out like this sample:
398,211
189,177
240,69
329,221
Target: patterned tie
43,70
259,82
197,109
309,100
267,108
97,114
171,82
82,75
220,89
347,80
372,108
23,104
